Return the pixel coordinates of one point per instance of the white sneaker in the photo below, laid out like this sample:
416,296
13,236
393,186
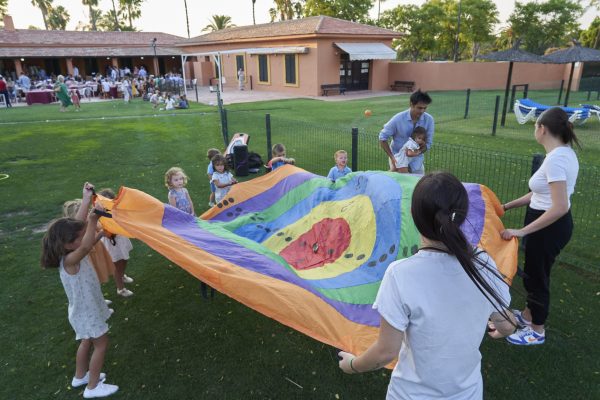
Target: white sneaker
127,279
101,390
124,292
76,382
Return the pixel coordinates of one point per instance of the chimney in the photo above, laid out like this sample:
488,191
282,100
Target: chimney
8,23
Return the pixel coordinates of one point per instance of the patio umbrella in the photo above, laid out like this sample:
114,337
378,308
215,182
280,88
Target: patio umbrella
513,55
573,54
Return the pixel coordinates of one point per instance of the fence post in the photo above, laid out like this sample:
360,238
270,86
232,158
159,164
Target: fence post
536,162
512,97
268,128
467,104
562,85
354,149
225,127
525,90
589,95
496,107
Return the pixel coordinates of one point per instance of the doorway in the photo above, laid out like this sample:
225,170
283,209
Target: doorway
354,75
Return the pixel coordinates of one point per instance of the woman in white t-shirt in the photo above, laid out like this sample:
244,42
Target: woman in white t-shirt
548,223
422,297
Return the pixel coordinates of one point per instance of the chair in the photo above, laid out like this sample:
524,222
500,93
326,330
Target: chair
594,110
529,110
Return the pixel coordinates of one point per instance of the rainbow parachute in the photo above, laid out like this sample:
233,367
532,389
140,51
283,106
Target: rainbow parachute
301,249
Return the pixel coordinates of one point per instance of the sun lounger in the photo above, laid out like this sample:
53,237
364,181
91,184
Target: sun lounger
529,110
594,110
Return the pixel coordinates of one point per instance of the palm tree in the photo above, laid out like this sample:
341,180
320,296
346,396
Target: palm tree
58,18
219,22
44,6
115,15
132,10
93,12
379,8
187,20
253,14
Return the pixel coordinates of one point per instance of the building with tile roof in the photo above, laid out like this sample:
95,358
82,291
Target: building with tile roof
58,52
294,56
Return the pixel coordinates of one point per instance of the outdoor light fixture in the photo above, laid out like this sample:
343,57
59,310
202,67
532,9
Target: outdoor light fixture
108,58
142,57
22,59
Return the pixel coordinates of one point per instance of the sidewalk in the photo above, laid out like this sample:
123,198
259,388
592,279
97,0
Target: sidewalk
233,96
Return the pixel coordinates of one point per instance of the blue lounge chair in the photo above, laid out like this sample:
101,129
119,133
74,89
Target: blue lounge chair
594,110
529,110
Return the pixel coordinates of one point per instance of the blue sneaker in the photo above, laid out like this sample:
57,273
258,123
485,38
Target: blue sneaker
520,319
526,337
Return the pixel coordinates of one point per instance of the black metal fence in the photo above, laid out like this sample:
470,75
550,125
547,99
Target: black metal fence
313,146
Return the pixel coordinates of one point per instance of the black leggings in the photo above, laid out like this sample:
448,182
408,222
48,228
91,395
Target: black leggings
541,249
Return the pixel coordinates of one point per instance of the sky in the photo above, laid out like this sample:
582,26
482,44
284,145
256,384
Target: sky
168,16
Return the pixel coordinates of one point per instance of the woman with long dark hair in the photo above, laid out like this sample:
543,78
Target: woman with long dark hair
548,223
434,305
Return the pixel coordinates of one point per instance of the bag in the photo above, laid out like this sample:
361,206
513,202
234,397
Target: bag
254,161
240,160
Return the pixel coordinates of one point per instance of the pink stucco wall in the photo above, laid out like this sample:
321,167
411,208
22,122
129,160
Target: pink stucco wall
480,75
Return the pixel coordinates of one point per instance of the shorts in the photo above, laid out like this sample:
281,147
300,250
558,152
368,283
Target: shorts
213,188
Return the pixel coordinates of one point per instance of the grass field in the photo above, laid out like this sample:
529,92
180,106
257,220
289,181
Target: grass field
167,342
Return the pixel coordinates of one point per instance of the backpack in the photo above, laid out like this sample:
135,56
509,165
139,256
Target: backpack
255,162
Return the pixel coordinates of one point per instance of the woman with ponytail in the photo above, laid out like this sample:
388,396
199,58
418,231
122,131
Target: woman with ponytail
548,223
421,299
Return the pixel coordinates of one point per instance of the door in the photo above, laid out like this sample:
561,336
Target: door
354,75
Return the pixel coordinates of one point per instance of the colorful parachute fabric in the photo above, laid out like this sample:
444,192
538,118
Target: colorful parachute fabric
301,249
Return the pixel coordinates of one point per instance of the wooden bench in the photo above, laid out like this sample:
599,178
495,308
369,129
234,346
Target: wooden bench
336,87
407,86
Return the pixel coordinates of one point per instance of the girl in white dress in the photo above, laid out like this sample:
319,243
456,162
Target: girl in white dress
66,245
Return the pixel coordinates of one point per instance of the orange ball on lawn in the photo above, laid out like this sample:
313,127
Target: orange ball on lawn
368,113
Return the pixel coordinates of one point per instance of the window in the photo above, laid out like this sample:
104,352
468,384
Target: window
263,69
291,70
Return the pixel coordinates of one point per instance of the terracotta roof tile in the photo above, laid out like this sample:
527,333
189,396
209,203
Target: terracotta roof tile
43,52
319,25
31,37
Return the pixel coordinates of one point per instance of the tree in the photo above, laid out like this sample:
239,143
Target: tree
286,9
94,14
505,39
218,22
421,26
131,9
187,19
350,10
253,13
590,36
3,7
115,15
478,18
58,17
379,8
44,6
595,4
543,25
108,22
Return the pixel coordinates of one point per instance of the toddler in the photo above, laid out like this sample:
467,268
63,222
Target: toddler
412,148
66,246
340,169
279,157
75,100
119,248
221,177
154,99
175,181
209,172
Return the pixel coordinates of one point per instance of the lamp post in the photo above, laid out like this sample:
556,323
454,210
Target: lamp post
156,68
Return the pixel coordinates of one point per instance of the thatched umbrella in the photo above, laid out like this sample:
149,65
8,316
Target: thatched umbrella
573,54
513,55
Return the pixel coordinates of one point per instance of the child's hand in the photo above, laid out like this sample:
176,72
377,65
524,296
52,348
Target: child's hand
233,181
88,190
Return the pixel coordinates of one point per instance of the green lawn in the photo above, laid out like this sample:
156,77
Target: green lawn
167,342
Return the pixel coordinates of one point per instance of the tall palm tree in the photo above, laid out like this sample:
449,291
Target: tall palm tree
44,6
132,9
115,15
218,22
93,12
187,19
379,8
253,13
58,17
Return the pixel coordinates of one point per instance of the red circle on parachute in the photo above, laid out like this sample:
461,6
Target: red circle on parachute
324,243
